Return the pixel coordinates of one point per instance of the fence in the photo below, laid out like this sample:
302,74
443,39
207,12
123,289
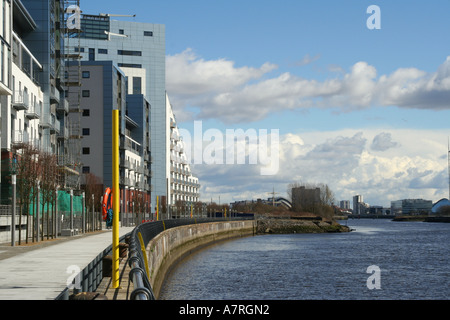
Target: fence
50,226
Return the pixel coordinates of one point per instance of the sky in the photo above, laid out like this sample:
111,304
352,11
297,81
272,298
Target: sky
364,110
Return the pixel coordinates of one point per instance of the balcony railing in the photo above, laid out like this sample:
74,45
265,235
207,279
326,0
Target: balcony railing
20,100
33,112
55,124
46,121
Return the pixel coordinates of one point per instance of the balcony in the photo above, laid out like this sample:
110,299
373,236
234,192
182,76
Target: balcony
126,143
46,121
20,100
54,95
63,107
125,181
55,126
63,134
20,137
33,112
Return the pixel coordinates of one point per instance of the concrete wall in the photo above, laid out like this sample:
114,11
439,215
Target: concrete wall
166,249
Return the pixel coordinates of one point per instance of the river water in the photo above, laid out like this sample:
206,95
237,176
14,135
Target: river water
381,259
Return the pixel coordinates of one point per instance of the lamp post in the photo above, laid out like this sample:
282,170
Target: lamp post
13,214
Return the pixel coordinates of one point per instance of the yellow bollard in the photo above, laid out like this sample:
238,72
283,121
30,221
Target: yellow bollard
116,199
157,208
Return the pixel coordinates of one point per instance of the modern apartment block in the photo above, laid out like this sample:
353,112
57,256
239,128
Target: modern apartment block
138,49
184,185
62,72
32,91
358,204
104,88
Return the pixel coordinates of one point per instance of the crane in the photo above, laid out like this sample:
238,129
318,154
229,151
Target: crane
115,34
273,193
116,15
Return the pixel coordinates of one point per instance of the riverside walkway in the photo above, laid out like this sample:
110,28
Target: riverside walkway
40,271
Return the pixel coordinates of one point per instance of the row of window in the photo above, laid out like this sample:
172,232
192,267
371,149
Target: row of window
105,51
146,33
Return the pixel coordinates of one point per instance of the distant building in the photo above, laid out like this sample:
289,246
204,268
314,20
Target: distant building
304,199
440,205
411,207
359,207
277,202
344,204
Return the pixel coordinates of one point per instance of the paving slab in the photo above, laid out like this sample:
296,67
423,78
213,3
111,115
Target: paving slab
41,272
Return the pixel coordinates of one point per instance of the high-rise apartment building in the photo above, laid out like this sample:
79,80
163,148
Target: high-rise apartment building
138,49
104,88
50,53
45,37
32,65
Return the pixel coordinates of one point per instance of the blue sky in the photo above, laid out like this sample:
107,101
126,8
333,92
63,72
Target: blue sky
313,70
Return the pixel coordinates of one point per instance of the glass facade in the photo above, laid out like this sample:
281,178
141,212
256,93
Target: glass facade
94,27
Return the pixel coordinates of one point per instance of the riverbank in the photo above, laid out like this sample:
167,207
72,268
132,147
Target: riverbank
423,218
271,225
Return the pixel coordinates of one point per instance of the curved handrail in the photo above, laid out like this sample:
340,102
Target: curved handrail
149,230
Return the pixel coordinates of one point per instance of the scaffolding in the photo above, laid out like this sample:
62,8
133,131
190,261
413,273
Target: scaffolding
71,158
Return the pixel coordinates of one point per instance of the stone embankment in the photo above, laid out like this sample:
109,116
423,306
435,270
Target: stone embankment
273,225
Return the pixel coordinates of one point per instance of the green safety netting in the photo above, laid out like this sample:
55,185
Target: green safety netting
63,204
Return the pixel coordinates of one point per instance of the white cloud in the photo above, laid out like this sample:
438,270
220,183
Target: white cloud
307,59
347,163
383,142
220,90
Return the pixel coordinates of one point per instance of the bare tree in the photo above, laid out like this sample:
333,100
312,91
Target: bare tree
49,184
27,170
320,204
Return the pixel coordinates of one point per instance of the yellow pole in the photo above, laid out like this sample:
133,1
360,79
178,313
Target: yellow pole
157,208
144,252
116,199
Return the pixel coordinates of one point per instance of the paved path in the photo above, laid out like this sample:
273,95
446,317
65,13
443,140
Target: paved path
39,272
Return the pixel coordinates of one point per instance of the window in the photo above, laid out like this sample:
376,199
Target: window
86,150
86,131
86,74
103,51
137,85
79,49
86,112
130,65
86,169
148,33
86,93
121,31
129,53
91,54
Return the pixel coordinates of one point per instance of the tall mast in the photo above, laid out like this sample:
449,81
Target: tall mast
448,161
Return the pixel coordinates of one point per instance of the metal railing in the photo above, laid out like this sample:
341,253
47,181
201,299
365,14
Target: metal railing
141,283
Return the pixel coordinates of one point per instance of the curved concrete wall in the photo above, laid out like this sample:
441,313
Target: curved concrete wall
170,246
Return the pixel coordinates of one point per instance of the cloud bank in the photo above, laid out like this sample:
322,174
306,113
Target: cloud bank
382,164
348,162
218,89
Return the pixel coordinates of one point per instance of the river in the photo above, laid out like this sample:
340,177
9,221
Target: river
381,259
